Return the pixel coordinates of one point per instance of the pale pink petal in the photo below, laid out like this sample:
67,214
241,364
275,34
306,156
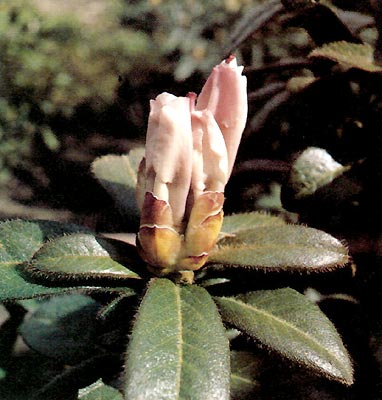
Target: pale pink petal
225,95
210,166
197,181
169,151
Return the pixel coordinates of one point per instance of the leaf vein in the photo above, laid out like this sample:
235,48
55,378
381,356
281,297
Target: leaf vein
284,322
180,339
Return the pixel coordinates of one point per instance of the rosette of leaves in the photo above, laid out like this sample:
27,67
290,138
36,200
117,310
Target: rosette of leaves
125,334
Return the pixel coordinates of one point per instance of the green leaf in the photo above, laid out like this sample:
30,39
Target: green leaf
285,321
111,309
233,224
245,370
313,169
63,327
19,240
298,83
13,286
99,391
118,175
178,347
66,383
348,55
318,183
289,247
83,257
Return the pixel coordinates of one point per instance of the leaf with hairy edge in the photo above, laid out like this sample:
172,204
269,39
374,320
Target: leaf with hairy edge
289,247
99,391
287,322
178,347
118,176
232,224
83,258
348,55
19,240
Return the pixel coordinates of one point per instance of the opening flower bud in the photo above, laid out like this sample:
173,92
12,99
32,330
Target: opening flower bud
191,146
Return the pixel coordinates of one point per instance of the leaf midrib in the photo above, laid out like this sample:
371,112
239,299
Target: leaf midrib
55,261
11,263
281,322
180,340
42,258
243,380
244,246
131,172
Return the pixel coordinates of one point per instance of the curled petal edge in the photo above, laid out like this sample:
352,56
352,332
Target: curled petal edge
156,211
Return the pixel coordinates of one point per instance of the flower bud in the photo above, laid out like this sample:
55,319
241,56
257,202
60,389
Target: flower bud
190,151
225,95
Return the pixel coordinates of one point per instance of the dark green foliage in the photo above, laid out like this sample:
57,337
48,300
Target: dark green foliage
19,241
98,391
86,257
245,372
288,323
277,247
118,175
182,350
178,343
51,66
54,328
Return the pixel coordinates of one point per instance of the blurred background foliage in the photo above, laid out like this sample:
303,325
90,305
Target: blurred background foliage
61,67
76,78
55,61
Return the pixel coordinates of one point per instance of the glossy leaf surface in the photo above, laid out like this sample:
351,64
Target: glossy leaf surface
19,240
285,321
118,175
289,247
178,348
233,224
63,327
99,391
85,256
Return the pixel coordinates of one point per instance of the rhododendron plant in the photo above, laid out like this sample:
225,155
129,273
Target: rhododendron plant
144,321
191,147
